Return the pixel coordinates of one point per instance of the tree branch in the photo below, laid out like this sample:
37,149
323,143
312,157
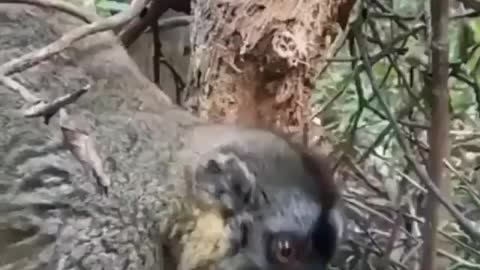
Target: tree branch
169,23
48,109
63,6
30,59
438,133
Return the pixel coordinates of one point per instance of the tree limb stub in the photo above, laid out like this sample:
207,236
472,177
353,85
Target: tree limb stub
252,61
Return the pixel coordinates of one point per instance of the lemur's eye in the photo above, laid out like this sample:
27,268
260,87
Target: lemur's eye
284,249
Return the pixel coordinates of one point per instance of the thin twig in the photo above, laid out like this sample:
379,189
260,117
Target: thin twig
39,106
63,6
24,92
467,248
133,30
179,83
399,71
173,22
358,204
458,259
157,53
30,59
397,18
365,179
334,49
49,109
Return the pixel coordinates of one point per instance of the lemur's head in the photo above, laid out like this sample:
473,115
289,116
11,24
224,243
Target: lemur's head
284,196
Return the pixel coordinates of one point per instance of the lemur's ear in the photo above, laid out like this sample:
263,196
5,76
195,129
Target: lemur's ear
327,233
236,175
320,168
213,166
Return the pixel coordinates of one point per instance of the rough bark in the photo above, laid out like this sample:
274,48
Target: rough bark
51,215
253,61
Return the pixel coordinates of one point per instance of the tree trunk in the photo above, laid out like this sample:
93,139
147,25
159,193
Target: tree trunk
51,215
254,61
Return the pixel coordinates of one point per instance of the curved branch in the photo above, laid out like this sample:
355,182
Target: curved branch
30,59
63,6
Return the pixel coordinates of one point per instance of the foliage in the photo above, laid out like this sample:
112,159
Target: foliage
379,182
110,6
104,7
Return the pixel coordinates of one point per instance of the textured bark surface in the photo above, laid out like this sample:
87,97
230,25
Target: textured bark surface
51,214
253,60
114,77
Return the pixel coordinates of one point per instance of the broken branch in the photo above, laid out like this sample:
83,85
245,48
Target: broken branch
24,92
49,109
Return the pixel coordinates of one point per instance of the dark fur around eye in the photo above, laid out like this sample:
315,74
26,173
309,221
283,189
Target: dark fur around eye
213,167
324,237
237,186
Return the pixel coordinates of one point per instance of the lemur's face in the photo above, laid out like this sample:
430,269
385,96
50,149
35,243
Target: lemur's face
292,233
281,194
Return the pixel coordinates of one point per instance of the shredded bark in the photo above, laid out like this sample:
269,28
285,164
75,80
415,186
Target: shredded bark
253,60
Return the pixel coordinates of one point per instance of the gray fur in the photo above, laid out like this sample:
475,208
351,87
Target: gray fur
227,180
291,203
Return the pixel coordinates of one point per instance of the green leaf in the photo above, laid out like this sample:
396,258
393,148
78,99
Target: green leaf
475,27
462,42
461,100
112,5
